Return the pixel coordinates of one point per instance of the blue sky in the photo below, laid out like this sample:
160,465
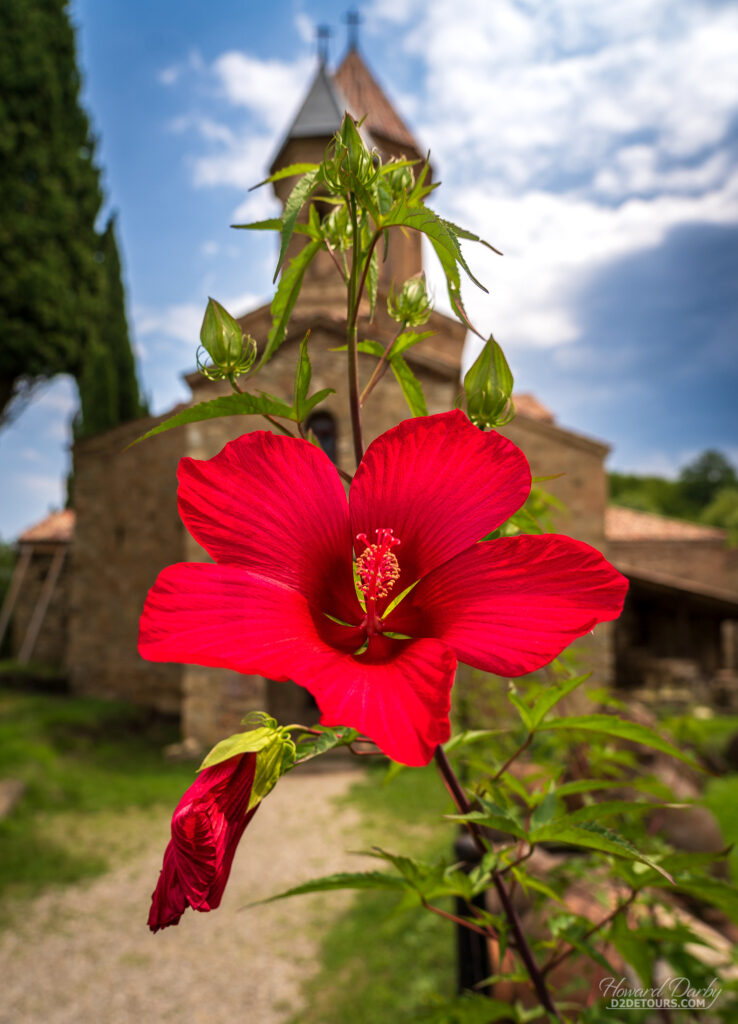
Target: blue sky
594,143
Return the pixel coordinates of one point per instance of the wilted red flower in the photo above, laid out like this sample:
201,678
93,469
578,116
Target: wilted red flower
281,600
207,826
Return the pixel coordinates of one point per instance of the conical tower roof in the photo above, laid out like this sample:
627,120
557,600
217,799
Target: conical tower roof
365,99
353,88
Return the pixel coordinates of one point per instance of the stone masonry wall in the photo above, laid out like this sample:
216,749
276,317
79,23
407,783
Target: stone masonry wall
127,530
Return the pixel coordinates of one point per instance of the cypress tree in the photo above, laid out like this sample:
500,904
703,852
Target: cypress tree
51,283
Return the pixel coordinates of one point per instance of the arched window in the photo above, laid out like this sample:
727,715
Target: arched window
323,425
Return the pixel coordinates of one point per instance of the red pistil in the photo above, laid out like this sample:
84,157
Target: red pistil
378,571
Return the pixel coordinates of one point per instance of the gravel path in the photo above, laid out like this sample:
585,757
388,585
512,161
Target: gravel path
83,955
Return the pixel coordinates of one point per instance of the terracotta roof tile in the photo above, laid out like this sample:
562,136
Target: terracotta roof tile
528,405
55,528
628,524
366,99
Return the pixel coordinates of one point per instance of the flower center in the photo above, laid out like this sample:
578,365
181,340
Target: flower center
377,567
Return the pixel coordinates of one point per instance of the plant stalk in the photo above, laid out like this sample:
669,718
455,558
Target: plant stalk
352,312
460,799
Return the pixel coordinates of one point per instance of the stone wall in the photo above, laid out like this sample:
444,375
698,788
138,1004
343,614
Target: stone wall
127,530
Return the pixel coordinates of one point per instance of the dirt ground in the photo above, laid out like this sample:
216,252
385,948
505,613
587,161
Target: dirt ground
83,955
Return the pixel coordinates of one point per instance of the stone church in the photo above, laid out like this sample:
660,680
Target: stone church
683,601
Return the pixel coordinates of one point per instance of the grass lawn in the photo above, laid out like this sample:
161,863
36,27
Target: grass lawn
379,963
95,778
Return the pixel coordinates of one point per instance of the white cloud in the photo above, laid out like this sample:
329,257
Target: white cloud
570,133
181,322
268,89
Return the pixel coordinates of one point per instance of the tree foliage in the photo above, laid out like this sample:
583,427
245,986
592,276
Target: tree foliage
61,300
705,491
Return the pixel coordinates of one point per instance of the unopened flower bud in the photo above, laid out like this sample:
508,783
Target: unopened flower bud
399,180
411,305
231,352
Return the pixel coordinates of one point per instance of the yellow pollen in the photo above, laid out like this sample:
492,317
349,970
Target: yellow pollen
377,567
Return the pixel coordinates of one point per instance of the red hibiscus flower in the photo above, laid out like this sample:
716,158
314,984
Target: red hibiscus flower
282,601
206,828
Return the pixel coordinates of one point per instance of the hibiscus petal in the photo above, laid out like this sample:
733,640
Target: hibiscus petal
511,605
396,692
225,617
274,505
440,484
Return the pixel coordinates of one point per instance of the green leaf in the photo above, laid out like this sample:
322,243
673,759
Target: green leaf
372,281
286,172
285,297
275,754
316,399
551,695
273,224
619,728
241,743
411,386
592,836
343,880
407,339
630,945
295,202
517,702
441,233
469,236
545,811
610,808
469,736
493,816
309,746
227,405
303,376
488,385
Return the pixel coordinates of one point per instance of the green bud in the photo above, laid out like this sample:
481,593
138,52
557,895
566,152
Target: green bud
399,180
348,163
488,385
412,305
336,227
231,352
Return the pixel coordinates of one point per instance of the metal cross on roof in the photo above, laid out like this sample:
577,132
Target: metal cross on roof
353,19
323,33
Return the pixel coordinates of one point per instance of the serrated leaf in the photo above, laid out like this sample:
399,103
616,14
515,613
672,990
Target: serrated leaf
545,811
295,202
319,396
519,704
550,696
619,728
493,816
421,218
303,376
611,808
290,171
285,297
227,405
469,736
469,236
343,880
272,224
592,836
411,386
309,746
407,339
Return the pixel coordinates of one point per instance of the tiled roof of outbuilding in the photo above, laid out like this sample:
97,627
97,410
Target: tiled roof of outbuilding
56,528
629,524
